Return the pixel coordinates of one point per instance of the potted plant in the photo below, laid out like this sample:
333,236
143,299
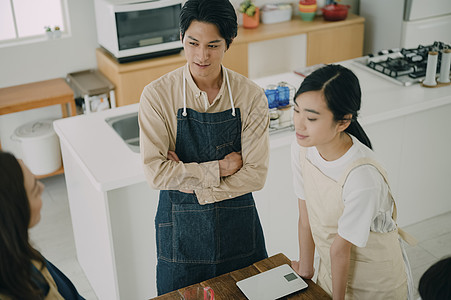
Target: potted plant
251,14
57,32
48,32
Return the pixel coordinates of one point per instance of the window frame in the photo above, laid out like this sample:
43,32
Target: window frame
17,41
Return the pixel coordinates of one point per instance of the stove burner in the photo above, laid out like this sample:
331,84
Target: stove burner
412,62
398,64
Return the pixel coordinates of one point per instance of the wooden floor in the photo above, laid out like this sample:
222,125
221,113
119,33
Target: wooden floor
53,236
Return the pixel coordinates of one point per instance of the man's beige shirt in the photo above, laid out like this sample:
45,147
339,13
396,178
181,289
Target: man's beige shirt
161,100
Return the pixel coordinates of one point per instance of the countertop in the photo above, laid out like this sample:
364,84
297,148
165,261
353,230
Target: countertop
110,164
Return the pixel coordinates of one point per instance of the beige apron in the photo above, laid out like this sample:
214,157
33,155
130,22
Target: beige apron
53,289
376,271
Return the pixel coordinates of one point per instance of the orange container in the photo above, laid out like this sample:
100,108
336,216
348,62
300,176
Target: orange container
306,10
308,6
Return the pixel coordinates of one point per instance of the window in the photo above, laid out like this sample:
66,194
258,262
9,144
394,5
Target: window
25,19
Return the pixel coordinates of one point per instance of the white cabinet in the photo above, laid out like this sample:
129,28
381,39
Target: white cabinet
114,233
425,166
278,205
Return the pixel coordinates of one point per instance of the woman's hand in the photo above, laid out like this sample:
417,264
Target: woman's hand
173,156
231,163
307,274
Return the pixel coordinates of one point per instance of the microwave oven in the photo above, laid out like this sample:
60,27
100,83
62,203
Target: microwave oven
137,29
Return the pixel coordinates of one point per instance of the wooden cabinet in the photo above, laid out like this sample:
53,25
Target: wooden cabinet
335,44
130,78
38,94
327,42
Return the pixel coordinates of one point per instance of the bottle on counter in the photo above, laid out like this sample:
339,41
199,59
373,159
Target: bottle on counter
444,67
284,93
431,69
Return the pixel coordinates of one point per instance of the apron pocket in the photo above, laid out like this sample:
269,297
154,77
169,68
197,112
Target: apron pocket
193,233
164,240
372,276
236,228
224,149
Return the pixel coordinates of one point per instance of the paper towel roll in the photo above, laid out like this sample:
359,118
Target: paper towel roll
431,69
444,66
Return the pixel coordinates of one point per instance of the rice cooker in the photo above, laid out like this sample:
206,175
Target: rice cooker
40,146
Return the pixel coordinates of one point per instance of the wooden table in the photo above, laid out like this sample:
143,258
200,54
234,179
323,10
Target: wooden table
38,94
226,289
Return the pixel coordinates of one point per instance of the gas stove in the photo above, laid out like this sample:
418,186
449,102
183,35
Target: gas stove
402,66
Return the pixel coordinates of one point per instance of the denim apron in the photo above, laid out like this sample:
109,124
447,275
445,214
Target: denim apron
197,242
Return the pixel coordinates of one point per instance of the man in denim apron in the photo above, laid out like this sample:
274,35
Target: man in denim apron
204,144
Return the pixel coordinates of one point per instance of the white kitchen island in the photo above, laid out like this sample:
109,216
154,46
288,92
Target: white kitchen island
113,208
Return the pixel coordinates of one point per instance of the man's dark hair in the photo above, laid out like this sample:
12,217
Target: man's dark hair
218,12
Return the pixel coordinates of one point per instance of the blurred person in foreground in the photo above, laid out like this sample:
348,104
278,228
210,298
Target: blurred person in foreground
435,283
24,272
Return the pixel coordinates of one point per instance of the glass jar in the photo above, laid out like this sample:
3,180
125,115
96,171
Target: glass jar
283,93
272,94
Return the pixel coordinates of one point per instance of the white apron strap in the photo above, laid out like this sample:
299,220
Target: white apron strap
408,238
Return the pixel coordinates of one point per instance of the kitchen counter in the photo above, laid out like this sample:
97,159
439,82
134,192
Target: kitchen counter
93,140
95,145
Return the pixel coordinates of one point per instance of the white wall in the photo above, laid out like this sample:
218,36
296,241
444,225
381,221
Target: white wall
46,60
383,22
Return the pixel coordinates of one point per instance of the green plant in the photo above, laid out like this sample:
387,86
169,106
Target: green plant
47,28
248,8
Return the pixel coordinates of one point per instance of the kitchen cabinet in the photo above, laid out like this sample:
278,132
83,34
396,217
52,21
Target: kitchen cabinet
425,166
293,44
335,44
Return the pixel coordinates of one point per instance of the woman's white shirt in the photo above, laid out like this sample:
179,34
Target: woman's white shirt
366,198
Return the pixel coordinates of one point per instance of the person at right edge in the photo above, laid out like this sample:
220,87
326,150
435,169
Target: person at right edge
346,210
205,145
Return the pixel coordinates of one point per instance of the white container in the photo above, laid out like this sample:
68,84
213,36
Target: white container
275,13
40,146
431,69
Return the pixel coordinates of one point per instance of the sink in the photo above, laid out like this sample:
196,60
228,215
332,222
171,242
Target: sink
126,126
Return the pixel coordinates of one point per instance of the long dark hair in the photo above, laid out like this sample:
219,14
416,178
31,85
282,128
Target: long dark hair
17,280
342,94
218,12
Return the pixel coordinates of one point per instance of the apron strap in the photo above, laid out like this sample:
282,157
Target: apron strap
368,161
184,94
230,91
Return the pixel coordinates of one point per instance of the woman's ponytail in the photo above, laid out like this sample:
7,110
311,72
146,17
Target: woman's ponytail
356,130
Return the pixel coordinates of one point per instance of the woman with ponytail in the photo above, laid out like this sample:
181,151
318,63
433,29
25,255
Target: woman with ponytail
346,210
24,273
